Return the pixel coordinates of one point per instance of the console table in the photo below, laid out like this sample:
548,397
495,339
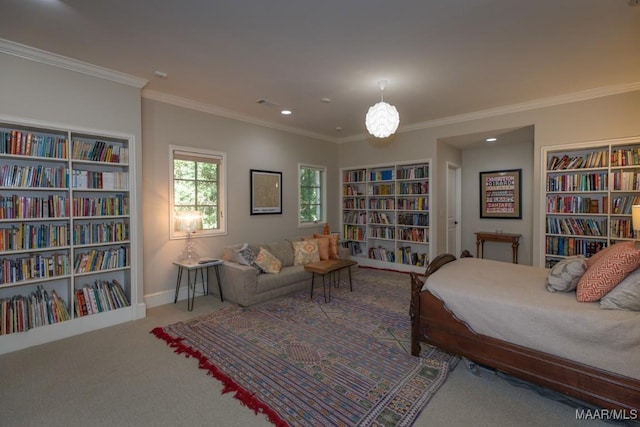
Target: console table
196,267
482,236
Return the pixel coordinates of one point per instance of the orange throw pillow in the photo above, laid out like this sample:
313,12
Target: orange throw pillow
607,270
333,243
323,247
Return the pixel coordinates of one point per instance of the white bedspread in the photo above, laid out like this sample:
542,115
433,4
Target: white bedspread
509,302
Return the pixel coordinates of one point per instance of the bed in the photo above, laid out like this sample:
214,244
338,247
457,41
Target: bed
500,315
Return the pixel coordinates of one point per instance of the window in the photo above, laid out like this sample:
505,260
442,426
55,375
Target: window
312,194
198,184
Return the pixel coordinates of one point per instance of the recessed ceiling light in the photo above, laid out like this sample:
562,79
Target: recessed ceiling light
491,139
285,112
325,100
160,74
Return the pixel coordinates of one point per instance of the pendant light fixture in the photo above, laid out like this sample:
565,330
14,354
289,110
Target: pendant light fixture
382,119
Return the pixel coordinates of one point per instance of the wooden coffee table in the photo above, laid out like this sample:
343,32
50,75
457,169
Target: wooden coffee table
329,266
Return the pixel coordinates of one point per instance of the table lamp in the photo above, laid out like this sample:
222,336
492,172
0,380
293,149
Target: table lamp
635,222
189,222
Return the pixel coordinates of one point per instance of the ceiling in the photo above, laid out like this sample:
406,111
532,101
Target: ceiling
445,60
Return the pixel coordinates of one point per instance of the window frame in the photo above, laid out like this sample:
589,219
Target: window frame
323,195
205,154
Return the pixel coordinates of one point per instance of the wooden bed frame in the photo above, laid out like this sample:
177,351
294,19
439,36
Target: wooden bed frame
433,323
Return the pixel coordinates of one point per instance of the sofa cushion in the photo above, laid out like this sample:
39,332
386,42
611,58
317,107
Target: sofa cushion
286,278
323,246
333,244
268,262
282,250
305,251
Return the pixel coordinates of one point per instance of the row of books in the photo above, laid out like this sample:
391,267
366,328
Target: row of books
413,172
106,232
569,246
118,204
621,228
98,260
25,143
578,182
16,207
355,176
100,151
420,235
353,232
413,187
376,217
34,176
36,266
353,203
99,297
628,156
33,236
381,189
413,219
351,190
575,204
354,217
594,159
406,255
622,205
381,175
387,203
382,254
626,180
21,313
577,226
382,232
413,204
100,180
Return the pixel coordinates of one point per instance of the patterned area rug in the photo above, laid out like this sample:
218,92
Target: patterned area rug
305,362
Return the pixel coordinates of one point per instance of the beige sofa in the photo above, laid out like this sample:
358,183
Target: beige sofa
245,284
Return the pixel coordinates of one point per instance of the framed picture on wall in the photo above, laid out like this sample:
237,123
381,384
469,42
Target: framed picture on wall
266,192
500,194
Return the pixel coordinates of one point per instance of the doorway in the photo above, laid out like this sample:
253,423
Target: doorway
454,201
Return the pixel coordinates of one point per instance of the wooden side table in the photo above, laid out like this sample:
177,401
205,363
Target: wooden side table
197,267
329,266
482,236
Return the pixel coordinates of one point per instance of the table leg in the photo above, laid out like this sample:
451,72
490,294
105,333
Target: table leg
215,267
515,252
191,289
205,285
175,299
324,288
313,277
350,283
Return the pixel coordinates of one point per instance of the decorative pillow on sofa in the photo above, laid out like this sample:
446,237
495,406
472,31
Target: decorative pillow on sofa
246,255
323,246
625,296
564,276
607,271
267,262
333,244
282,250
305,251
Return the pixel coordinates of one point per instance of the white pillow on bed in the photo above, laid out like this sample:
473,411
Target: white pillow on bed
625,296
564,276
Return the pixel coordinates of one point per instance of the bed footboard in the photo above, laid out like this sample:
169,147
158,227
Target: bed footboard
433,323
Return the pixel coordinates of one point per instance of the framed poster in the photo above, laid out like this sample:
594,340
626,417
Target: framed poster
500,194
266,192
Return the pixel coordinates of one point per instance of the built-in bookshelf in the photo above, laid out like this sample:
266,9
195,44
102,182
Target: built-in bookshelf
385,214
588,194
65,241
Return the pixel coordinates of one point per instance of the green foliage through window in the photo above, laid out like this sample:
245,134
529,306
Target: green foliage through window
311,194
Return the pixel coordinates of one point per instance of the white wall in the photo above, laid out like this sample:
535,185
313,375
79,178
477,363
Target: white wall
247,147
46,94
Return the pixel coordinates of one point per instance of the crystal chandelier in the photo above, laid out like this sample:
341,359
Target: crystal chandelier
382,119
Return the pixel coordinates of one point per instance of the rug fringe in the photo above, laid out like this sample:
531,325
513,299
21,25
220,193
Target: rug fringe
245,397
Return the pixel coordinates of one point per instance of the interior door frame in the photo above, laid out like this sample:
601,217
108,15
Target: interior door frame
457,194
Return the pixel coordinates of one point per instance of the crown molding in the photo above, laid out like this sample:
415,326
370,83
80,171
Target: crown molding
514,108
38,55
212,109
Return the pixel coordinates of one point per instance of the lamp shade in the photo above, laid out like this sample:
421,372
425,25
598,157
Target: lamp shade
382,120
635,218
189,221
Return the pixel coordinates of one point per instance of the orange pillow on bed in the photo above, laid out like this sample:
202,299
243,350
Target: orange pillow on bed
607,270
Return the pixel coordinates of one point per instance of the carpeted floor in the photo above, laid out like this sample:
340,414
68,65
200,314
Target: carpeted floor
309,362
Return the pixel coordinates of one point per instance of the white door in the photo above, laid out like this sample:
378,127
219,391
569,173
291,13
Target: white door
454,199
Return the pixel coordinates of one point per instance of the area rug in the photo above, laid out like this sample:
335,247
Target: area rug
304,362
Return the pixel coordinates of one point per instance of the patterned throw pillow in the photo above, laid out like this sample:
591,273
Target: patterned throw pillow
333,244
305,251
267,262
607,271
246,255
564,276
625,296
